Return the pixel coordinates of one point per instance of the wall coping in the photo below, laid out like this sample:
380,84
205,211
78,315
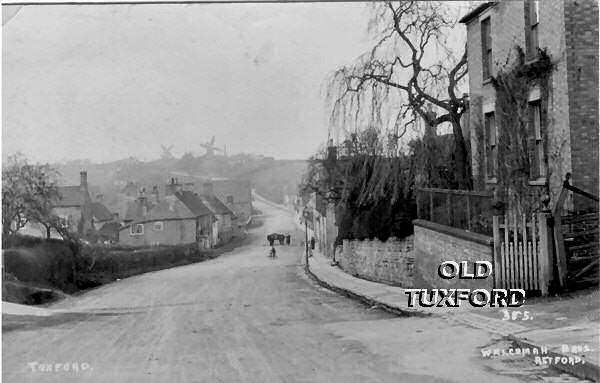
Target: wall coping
389,240
455,232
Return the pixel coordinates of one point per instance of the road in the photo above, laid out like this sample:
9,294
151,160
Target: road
239,318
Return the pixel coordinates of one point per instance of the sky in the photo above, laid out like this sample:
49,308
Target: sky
117,81
110,82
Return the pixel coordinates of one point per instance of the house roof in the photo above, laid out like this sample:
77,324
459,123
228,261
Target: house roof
134,211
193,203
473,13
69,196
215,205
101,212
110,230
169,208
181,205
130,188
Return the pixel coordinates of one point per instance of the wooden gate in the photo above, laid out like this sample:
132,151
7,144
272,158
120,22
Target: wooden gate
522,256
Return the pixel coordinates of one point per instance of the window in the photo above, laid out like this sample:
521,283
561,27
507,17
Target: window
491,137
136,229
229,199
158,226
486,43
532,12
537,154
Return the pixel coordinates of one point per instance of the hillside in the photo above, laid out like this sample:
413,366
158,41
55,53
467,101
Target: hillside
270,177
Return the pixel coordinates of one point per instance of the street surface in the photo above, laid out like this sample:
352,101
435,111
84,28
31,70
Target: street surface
239,318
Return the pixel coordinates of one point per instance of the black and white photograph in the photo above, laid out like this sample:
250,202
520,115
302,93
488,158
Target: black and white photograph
287,191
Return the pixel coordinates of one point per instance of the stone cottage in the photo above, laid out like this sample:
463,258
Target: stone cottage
179,218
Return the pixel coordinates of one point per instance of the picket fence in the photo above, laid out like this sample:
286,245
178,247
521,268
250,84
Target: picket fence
522,252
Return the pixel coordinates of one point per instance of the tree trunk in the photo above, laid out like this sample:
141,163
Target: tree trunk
48,232
462,157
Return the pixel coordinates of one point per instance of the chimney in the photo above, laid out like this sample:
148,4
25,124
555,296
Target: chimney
83,180
173,187
207,188
155,198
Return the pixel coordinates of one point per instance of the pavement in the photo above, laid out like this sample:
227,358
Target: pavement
578,337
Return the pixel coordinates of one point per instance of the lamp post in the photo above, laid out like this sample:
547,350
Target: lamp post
305,215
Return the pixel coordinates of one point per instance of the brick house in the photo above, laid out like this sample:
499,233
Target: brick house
562,117
179,218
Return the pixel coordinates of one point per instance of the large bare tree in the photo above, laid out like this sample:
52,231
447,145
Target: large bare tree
410,72
28,191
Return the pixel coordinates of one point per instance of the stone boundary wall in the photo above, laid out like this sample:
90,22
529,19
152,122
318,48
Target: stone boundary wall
435,243
389,262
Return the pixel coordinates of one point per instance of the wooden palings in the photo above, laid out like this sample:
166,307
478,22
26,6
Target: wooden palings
521,252
525,253
544,254
507,253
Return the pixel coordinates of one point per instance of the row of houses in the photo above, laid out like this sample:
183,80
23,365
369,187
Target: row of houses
182,216
172,214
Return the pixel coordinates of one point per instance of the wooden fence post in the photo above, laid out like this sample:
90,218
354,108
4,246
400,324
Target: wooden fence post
545,253
449,210
498,280
561,255
468,212
431,205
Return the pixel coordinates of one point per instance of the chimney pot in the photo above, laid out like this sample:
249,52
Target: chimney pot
83,179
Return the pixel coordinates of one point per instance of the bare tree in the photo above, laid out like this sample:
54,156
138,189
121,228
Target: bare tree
27,195
403,78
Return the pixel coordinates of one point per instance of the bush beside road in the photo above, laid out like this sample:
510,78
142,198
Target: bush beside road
39,271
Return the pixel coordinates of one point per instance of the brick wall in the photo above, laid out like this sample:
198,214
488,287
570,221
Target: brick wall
389,262
434,244
581,20
558,145
508,31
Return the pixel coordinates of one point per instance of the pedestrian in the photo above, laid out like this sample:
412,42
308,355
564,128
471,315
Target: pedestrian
312,243
288,239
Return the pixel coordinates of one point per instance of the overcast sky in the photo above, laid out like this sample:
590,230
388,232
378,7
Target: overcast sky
113,81
109,82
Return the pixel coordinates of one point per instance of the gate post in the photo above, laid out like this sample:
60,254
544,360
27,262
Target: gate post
498,275
545,252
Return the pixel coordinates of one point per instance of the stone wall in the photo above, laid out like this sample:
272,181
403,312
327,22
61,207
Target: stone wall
435,243
388,262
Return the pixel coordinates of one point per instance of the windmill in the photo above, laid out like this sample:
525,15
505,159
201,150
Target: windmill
210,147
167,155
